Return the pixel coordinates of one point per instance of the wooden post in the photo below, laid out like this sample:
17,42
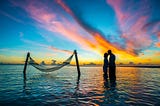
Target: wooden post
25,65
77,63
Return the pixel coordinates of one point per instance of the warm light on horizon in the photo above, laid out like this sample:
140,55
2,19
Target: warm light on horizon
52,30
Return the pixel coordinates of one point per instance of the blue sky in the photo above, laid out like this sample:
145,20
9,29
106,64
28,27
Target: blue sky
46,28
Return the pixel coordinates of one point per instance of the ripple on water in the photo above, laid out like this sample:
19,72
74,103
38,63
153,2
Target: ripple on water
134,86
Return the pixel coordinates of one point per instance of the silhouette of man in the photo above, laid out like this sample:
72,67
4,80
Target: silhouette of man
105,66
112,66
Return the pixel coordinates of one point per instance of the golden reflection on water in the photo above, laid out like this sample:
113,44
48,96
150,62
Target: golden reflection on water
105,91
129,75
93,78
134,86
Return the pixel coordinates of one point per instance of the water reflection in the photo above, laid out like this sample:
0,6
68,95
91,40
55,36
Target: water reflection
77,86
133,86
110,92
50,81
109,83
24,85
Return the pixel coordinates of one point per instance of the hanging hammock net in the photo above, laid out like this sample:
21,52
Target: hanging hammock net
44,68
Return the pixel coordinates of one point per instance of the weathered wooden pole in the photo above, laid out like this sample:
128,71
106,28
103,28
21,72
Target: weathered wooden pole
77,63
25,65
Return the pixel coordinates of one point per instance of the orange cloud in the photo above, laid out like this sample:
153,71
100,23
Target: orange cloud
157,44
49,21
102,45
68,30
93,41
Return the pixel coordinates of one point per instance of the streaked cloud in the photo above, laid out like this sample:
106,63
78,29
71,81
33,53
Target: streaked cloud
57,23
129,33
60,50
11,17
45,46
134,24
99,37
50,21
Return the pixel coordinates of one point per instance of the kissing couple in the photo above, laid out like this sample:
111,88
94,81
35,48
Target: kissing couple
111,64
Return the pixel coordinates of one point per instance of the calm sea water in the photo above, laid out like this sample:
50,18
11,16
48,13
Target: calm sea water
134,86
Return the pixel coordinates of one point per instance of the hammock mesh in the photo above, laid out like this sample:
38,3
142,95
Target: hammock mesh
50,69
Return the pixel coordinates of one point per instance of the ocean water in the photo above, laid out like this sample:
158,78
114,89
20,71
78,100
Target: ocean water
134,86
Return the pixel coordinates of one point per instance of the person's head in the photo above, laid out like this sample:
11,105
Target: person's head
105,55
109,52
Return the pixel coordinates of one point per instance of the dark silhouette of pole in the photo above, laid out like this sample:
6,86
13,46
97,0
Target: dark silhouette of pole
77,63
25,65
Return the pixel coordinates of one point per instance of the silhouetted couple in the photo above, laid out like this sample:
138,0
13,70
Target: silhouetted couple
111,64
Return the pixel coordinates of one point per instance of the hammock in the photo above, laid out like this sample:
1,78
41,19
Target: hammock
49,69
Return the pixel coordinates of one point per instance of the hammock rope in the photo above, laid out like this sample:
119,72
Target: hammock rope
49,69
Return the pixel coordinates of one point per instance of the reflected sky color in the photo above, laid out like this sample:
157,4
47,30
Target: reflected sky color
52,29
134,86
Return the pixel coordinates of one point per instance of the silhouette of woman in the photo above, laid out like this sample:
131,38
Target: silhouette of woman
105,66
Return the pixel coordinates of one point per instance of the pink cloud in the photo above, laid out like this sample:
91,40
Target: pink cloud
60,50
40,14
101,42
54,22
131,23
65,7
50,21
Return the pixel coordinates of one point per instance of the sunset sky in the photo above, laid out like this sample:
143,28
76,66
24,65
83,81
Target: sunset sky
52,29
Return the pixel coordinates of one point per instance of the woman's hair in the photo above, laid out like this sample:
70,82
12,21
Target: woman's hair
105,54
